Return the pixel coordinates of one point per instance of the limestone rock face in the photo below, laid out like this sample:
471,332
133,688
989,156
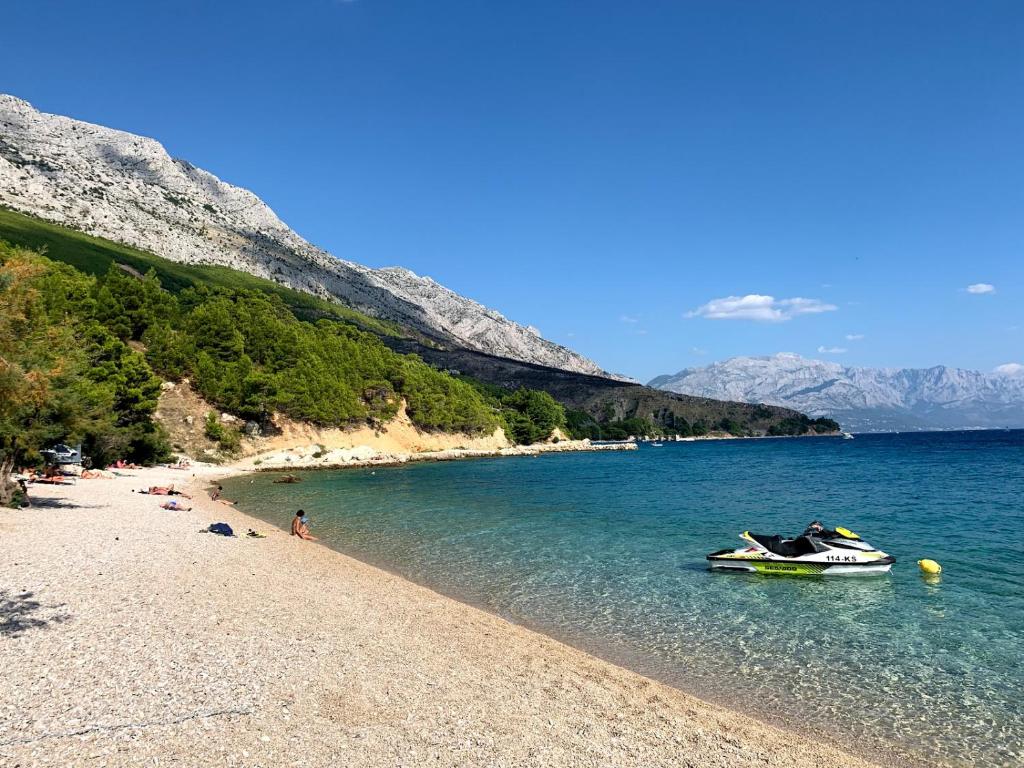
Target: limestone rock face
127,188
864,399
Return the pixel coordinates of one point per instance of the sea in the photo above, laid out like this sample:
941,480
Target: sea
606,552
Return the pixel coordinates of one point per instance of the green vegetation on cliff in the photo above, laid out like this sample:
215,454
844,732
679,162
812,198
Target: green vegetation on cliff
527,415
580,424
95,255
803,425
81,359
245,352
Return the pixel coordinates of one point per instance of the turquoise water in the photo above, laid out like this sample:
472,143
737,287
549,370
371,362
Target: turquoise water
606,551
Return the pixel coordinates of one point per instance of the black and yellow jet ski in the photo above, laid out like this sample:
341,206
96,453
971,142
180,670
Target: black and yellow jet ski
835,553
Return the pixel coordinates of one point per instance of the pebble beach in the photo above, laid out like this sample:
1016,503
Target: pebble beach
130,637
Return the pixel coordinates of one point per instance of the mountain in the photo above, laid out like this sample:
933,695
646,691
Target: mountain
127,188
864,399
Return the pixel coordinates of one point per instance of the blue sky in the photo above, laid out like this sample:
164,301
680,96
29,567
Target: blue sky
609,172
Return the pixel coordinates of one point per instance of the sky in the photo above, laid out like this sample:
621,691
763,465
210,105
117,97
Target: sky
654,184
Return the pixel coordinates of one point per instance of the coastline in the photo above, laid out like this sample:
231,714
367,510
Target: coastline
138,638
300,445
315,456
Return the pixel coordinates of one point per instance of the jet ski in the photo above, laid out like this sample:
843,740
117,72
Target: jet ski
837,553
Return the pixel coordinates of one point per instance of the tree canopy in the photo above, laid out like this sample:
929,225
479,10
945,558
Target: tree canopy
81,358
63,374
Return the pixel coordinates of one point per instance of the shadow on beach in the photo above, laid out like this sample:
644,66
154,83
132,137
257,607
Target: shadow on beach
51,502
20,613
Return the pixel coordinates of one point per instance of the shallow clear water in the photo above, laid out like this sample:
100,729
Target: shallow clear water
606,551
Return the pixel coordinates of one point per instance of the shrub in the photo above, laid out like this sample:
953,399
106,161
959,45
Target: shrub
227,438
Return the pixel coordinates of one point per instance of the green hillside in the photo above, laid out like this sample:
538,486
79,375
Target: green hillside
85,346
601,407
94,255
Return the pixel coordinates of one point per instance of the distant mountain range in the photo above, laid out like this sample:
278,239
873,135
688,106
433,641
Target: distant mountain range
127,188
861,399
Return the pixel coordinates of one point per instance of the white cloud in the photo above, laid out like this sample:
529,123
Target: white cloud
854,336
1010,369
628,319
831,350
981,288
698,351
760,308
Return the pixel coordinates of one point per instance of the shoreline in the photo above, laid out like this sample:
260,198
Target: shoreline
314,456
147,638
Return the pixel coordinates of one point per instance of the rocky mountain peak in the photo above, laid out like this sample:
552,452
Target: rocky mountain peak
939,397
127,188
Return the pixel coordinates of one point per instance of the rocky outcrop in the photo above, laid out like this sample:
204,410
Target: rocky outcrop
861,398
127,188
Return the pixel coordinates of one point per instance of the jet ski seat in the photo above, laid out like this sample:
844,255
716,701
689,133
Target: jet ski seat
801,545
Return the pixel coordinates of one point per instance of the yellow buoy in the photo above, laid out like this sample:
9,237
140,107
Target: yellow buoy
929,566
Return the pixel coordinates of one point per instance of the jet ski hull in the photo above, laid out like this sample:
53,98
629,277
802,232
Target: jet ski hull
784,568
802,557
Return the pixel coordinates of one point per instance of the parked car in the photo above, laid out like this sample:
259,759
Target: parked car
63,454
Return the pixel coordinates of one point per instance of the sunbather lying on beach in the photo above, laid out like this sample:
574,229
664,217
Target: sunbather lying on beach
49,479
157,490
95,474
174,504
300,526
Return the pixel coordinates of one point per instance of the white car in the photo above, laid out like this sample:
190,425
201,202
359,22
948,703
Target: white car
63,454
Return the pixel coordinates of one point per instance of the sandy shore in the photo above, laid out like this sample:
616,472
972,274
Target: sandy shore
130,638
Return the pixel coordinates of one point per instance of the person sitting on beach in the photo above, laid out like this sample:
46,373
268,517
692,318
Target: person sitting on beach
215,495
300,526
53,474
122,464
50,476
